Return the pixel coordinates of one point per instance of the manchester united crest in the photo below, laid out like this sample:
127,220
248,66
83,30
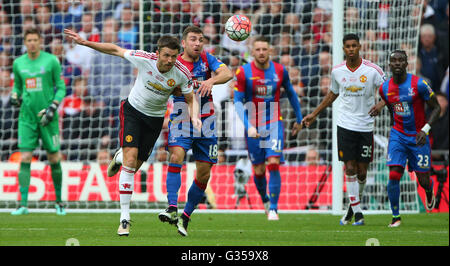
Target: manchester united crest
363,78
171,82
129,138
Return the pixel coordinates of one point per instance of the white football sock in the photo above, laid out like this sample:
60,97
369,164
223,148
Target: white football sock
126,186
353,193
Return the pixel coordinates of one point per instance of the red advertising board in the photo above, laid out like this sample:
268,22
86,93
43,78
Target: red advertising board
89,182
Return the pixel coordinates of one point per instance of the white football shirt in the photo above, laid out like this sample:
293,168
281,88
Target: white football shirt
357,89
152,88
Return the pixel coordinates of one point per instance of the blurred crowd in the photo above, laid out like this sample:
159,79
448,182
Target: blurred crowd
300,32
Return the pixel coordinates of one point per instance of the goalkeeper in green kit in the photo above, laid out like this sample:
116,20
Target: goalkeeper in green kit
38,90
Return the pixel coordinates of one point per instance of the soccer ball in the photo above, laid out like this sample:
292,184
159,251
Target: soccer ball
238,27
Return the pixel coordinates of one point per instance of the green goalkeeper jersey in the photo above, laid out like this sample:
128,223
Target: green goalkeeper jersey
39,83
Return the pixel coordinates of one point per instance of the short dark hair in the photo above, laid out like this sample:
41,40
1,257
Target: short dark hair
31,31
169,42
261,38
400,52
350,36
190,29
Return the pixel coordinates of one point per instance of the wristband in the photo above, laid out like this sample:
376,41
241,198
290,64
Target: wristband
426,128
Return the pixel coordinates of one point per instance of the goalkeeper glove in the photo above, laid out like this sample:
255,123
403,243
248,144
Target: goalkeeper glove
15,100
48,114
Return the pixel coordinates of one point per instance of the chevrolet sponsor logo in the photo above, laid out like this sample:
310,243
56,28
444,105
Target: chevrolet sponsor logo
156,86
353,88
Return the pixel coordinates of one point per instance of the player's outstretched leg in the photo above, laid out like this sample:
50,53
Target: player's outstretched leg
274,189
116,162
393,189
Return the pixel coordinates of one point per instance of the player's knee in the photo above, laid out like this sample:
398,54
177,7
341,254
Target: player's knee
350,169
176,158
26,157
130,157
273,160
259,169
130,161
54,157
395,175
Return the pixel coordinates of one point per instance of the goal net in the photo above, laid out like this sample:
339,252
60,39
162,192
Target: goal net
301,36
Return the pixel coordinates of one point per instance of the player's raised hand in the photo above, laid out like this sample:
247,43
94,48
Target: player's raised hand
308,120
73,36
296,128
253,133
205,87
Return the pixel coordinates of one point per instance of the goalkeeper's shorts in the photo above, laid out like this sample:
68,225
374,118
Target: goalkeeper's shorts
30,132
138,130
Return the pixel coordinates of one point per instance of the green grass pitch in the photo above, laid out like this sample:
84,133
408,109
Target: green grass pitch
219,229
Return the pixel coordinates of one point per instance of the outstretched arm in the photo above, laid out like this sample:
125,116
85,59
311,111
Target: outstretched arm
327,101
107,48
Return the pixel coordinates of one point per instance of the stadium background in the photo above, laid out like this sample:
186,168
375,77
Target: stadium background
301,33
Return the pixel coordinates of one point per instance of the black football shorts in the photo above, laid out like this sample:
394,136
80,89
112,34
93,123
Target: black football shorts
354,145
138,130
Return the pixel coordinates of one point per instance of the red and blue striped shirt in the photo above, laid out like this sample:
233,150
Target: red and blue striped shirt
263,87
407,103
